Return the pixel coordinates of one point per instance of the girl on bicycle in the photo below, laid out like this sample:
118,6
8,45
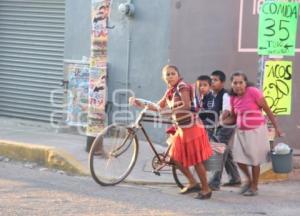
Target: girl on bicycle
190,144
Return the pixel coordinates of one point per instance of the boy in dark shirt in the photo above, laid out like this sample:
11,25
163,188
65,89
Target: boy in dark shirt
220,104
204,97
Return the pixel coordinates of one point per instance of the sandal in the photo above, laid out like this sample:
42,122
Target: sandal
244,188
187,189
250,192
202,196
232,184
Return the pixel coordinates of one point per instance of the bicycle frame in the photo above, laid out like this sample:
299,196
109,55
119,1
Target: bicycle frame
144,117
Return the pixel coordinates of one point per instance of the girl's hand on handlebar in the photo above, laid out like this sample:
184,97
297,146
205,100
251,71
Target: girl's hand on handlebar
134,102
142,103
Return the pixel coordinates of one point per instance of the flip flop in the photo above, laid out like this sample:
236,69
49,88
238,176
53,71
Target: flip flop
250,192
244,188
187,190
231,184
203,196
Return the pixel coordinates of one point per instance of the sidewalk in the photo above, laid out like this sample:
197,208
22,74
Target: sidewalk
40,143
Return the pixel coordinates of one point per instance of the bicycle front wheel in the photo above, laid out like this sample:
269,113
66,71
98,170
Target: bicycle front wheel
113,155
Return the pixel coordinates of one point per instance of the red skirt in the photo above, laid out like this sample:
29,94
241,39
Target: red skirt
190,146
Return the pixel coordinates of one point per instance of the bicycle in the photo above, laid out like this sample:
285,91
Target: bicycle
119,146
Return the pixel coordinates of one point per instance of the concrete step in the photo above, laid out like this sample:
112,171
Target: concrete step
296,162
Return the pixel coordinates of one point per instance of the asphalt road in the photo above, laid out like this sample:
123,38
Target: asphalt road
32,190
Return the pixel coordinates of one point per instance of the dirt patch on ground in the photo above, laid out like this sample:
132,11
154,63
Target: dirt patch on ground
295,175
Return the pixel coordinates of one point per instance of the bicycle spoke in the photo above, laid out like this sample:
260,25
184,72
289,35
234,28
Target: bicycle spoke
119,152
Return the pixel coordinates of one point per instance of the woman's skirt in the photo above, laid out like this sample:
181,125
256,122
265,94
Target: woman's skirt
251,147
190,145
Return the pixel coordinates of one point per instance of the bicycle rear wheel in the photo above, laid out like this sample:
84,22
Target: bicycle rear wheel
113,155
179,178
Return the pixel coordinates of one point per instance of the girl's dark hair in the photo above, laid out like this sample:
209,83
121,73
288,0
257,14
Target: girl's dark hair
238,73
166,67
204,78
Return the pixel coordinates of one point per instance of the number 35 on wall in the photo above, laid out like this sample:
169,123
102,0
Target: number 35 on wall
278,28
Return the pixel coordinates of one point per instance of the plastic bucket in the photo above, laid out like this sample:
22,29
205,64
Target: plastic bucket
282,163
214,163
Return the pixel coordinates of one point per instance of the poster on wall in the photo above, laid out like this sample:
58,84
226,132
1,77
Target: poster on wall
78,88
278,28
100,12
98,67
277,86
97,100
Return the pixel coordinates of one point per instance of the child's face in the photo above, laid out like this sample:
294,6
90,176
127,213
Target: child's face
171,76
216,83
203,87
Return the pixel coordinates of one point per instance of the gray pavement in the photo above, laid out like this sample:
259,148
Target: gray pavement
74,144
39,192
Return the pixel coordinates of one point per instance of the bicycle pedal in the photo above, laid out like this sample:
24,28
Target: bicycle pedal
156,173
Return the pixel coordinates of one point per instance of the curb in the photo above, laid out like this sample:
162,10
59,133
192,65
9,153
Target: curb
151,183
267,174
58,159
52,157
42,155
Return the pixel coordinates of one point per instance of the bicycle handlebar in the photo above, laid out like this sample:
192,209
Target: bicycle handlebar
143,116
147,102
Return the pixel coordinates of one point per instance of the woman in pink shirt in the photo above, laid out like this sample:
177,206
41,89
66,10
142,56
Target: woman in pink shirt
251,145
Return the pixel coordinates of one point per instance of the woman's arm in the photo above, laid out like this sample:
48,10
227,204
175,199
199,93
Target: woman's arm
162,103
185,103
227,118
263,104
226,107
137,103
